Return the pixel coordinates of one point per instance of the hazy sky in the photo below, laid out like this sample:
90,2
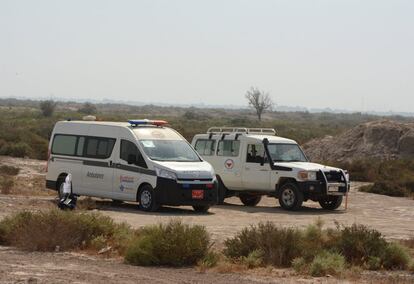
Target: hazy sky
356,55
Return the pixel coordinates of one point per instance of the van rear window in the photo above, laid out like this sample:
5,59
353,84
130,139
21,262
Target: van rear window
64,144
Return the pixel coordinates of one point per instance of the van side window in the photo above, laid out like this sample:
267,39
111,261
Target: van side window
81,143
99,148
205,147
128,148
64,144
255,153
228,148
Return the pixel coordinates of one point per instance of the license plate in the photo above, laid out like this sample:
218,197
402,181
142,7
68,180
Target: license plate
197,194
333,188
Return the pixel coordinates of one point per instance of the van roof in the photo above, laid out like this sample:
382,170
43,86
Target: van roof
107,123
250,137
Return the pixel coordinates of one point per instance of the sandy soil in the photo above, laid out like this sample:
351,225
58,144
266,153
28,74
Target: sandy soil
392,216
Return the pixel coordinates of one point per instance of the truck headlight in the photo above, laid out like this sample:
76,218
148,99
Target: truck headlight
165,174
306,175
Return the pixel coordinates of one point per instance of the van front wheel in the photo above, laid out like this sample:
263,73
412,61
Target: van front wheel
250,199
147,199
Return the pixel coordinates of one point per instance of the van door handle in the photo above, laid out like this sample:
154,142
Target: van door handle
110,163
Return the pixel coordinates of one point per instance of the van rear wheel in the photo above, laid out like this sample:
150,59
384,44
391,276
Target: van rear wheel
201,208
331,202
290,196
147,199
250,199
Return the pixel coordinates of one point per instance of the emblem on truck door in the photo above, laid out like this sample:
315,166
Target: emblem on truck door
229,163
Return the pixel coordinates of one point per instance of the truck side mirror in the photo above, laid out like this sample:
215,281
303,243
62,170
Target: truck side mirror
132,159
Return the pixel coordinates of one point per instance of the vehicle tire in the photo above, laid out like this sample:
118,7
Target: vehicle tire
290,197
331,202
250,199
201,208
222,192
147,199
117,202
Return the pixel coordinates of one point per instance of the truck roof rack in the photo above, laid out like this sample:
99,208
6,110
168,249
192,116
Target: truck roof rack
242,130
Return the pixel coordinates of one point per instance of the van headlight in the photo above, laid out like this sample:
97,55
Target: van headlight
307,175
165,174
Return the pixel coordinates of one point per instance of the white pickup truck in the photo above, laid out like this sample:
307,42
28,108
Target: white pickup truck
252,162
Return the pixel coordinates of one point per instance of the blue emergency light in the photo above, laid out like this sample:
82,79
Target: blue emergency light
136,122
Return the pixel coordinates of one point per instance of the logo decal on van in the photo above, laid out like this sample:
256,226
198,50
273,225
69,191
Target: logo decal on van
95,175
229,163
126,182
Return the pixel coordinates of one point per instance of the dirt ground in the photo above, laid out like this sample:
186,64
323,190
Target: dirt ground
392,216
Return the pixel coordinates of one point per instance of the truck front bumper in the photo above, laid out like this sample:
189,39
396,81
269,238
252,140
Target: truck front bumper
195,193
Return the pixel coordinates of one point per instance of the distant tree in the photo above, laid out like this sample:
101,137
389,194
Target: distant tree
48,107
88,108
259,101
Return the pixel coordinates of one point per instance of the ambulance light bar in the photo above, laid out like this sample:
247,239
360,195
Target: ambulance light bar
136,122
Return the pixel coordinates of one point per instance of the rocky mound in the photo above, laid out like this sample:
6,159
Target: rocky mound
382,139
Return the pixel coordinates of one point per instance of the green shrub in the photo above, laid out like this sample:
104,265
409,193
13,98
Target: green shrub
253,260
172,244
396,257
300,264
373,263
209,260
279,245
19,149
44,231
357,243
327,263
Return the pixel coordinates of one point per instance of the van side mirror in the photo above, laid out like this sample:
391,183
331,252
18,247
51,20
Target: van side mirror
132,159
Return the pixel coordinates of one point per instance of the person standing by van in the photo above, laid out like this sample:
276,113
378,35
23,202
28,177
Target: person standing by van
68,201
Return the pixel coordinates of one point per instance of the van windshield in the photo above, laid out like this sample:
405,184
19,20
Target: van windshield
286,153
169,150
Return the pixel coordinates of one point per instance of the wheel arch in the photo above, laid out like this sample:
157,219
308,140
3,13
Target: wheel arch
139,189
282,181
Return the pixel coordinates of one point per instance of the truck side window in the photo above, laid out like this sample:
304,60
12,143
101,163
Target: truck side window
228,148
205,147
98,147
128,148
255,153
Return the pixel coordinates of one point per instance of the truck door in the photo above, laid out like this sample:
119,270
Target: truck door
130,167
227,163
256,171
97,171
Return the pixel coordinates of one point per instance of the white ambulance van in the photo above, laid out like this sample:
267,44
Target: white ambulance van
140,160
252,162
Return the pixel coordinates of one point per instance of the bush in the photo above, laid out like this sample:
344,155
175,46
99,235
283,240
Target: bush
300,265
396,257
279,245
209,260
9,170
47,107
172,244
357,243
88,108
389,188
6,184
327,263
20,149
45,231
253,260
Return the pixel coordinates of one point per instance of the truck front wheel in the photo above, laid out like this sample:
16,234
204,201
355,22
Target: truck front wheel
331,202
250,199
290,197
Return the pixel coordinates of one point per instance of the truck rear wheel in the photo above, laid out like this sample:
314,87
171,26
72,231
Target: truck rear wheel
331,202
147,199
290,197
250,199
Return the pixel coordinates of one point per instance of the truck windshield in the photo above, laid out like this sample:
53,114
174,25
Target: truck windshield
169,150
286,153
